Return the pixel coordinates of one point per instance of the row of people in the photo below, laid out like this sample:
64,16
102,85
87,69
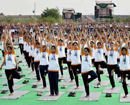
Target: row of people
48,51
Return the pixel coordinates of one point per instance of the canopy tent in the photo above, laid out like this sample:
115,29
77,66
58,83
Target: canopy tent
68,9
104,5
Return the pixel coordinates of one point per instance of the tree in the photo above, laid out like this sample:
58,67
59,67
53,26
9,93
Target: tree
51,13
47,19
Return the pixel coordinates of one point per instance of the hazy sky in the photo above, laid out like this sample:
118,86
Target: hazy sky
25,7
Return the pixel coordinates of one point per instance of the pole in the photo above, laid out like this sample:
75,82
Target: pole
34,8
34,12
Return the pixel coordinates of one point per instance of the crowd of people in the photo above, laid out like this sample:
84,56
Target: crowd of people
83,47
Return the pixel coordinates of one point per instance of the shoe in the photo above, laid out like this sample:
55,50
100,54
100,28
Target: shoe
22,75
65,68
108,95
25,81
0,75
120,81
101,72
34,86
98,85
20,61
39,93
63,86
4,91
5,84
59,80
72,94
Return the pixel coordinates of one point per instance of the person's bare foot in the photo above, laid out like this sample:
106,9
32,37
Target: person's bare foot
125,96
39,81
71,81
77,88
32,71
87,96
10,94
62,76
51,95
112,88
44,87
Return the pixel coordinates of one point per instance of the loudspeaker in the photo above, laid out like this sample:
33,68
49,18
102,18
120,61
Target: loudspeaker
108,95
110,12
97,13
95,8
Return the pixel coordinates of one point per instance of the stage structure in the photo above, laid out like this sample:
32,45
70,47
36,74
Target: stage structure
69,14
104,9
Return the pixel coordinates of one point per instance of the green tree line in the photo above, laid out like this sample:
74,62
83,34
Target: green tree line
48,15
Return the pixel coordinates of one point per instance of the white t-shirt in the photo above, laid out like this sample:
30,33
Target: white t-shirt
21,40
68,55
75,56
99,54
93,53
124,62
36,55
65,41
61,51
10,61
31,51
43,56
112,56
53,62
86,64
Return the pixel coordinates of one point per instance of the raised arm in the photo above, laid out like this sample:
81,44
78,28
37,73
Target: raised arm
89,47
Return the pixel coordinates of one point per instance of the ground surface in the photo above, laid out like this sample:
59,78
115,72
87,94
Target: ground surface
32,99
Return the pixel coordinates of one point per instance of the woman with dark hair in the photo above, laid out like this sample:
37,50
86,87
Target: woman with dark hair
36,59
21,41
124,66
53,69
75,59
43,56
2,40
10,62
112,53
69,41
61,54
99,58
86,67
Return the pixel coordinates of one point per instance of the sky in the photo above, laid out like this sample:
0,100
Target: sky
25,7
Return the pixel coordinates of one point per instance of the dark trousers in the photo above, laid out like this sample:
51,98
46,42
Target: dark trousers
70,70
106,58
32,63
24,54
117,71
76,69
123,73
21,48
28,60
61,60
3,53
10,74
93,60
87,80
97,65
43,72
37,70
53,79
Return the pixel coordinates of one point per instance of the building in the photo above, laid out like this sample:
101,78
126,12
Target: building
18,16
